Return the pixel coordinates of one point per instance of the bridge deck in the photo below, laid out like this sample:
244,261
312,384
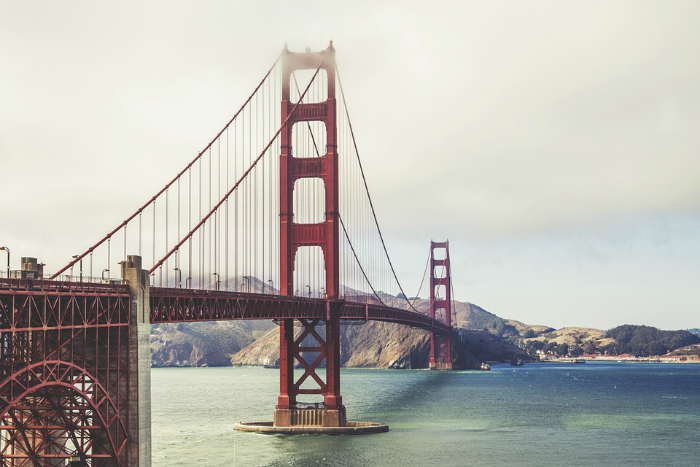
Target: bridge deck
175,305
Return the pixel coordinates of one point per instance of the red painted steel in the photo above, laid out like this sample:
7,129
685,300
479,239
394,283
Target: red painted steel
440,348
78,258
65,346
170,305
64,372
324,235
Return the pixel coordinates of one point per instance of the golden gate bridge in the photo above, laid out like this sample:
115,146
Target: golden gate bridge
272,220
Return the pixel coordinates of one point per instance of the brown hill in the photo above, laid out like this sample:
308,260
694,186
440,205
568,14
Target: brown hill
369,345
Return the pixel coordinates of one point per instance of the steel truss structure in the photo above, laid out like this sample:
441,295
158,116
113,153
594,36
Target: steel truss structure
64,373
169,305
73,355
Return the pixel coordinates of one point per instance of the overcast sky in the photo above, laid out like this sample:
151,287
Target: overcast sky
556,144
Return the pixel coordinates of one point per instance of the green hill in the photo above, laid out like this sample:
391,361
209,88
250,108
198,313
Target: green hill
646,341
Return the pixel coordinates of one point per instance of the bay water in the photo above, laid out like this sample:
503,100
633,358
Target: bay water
593,414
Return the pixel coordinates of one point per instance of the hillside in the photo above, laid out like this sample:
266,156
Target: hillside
647,341
198,344
370,345
482,336
576,341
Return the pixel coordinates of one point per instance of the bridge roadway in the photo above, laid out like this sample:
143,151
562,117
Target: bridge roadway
176,305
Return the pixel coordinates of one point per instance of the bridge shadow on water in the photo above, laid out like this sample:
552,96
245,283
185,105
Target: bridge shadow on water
400,398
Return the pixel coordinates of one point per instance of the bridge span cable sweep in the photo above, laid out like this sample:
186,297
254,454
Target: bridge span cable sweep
272,219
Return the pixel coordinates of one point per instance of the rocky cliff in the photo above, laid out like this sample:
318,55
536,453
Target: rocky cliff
203,344
363,345
388,345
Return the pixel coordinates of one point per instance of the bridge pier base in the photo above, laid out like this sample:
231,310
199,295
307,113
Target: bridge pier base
319,339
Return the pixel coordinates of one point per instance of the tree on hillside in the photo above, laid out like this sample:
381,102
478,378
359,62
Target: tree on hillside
647,341
561,350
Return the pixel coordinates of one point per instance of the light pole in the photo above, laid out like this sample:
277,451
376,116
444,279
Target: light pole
309,288
246,280
178,277
323,292
8,259
107,271
216,280
271,286
81,267
187,282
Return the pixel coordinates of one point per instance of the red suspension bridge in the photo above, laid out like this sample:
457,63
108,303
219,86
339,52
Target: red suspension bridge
273,219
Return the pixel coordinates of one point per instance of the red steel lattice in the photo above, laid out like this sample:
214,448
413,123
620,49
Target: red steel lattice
64,373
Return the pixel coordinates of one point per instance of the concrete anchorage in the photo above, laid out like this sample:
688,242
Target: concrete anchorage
139,420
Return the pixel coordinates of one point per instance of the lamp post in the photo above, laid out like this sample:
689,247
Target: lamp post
309,293
103,274
323,292
187,282
81,267
178,277
8,259
246,280
271,286
216,280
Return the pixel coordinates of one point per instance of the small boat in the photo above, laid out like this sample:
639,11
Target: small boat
516,361
485,366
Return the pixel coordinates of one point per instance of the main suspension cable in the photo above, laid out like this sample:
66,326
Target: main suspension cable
177,177
364,180
245,174
358,261
420,287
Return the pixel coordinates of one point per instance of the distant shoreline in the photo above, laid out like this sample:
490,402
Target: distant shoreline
607,359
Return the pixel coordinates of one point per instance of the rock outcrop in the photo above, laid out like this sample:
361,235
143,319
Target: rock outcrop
482,336
202,344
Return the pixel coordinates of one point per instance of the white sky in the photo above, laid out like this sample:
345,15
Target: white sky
556,144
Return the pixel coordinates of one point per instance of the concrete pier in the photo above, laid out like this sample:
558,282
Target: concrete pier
350,428
139,425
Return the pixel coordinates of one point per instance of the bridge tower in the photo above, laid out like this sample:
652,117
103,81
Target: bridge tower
294,235
440,304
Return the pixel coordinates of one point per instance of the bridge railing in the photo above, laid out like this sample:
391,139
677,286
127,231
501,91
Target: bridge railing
11,285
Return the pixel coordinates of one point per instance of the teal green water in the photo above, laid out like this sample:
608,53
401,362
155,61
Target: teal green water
539,414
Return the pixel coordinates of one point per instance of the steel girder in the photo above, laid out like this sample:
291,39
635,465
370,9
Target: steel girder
185,305
64,373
